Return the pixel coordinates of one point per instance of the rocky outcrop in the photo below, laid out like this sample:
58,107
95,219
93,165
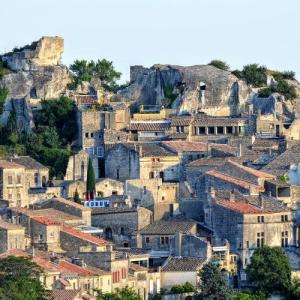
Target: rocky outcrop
224,93
45,52
36,73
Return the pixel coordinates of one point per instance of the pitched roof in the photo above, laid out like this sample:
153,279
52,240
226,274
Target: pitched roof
28,162
60,294
185,146
238,182
45,220
182,264
281,164
5,164
208,161
249,204
84,236
149,126
113,210
154,149
67,267
181,120
168,227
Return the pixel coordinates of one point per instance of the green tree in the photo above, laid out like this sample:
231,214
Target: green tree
103,70
90,181
124,294
76,197
170,96
213,285
3,96
183,288
220,64
19,280
269,270
248,295
255,74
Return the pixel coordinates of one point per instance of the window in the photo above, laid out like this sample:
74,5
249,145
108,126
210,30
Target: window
260,219
201,130
190,157
260,241
92,134
118,173
164,240
147,240
145,190
286,218
18,179
151,175
36,178
122,231
247,244
162,198
86,134
10,179
284,239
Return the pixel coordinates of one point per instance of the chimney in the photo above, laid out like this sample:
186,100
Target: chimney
231,196
240,150
55,259
260,201
178,243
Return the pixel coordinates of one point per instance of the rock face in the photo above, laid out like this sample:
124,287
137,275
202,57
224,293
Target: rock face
36,73
45,52
224,93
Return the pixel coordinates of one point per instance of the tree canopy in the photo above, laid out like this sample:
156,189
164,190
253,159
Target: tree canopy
213,285
269,270
124,294
19,280
90,181
83,70
220,64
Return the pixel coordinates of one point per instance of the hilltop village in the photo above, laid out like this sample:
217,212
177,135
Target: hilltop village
181,167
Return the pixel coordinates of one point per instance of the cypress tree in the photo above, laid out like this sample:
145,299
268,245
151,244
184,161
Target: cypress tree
91,180
76,197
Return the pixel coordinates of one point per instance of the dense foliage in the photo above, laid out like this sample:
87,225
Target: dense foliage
248,295
254,74
170,96
220,64
124,294
282,87
50,141
19,280
3,95
269,270
213,285
76,197
183,288
103,70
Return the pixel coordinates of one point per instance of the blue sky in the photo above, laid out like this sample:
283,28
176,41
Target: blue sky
146,32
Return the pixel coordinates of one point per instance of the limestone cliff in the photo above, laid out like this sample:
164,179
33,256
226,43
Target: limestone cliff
36,73
224,93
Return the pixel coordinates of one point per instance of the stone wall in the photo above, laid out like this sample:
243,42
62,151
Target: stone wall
77,166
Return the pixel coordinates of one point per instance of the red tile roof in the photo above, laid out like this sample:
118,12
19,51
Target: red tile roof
45,220
241,207
185,146
67,267
45,264
239,182
84,236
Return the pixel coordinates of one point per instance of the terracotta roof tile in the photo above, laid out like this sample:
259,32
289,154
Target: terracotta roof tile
5,164
60,294
239,182
67,267
84,236
243,208
45,220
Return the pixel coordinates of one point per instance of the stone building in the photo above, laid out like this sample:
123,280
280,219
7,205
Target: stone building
13,185
120,223
160,197
249,222
179,270
160,235
122,162
37,175
12,236
77,166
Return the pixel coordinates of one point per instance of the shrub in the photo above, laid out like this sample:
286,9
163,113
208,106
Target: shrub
255,74
220,64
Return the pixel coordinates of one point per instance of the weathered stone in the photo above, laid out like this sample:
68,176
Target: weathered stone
224,94
45,52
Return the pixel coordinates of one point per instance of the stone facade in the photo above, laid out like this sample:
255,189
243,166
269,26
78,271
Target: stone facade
77,166
122,162
119,224
13,185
